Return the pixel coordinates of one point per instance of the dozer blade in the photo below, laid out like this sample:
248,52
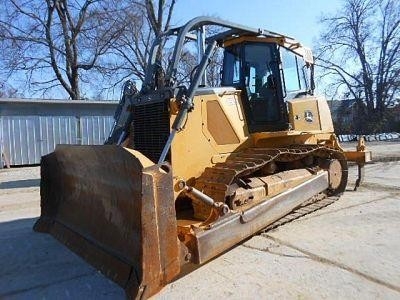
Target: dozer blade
115,208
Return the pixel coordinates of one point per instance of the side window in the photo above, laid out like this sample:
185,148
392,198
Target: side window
236,70
252,79
231,68
290,71
295,78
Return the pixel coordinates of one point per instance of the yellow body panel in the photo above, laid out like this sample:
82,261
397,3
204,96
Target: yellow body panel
216,128
310,114
202,144
223,120
217,125
286,138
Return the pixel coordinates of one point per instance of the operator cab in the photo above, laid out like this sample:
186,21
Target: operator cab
268,75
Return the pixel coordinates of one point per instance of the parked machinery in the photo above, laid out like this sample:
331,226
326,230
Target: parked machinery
190,171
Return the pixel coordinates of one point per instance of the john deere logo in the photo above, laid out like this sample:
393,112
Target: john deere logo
308,116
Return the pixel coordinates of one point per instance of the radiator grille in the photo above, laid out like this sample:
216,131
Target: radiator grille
151,129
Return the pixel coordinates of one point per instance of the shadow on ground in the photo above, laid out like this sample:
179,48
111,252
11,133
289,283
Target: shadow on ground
36,266
16,184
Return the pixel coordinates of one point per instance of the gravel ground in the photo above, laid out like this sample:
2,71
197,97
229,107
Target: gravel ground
348,250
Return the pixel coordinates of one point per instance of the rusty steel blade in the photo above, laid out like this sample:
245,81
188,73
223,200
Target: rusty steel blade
114,208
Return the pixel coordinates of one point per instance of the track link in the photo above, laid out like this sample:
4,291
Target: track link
215,181
218,181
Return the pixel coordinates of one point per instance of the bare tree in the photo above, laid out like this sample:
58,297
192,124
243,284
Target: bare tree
189,61
7,91
56,42
359,52
142,21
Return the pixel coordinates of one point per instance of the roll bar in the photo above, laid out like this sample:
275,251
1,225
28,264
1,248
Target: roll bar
184,32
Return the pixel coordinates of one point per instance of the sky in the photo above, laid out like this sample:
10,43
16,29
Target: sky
294,18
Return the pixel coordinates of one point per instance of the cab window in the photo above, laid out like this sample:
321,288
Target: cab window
231,67
294,75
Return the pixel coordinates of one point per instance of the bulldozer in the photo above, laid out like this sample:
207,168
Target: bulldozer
191,170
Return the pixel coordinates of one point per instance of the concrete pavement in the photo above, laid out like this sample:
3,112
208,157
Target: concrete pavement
348,250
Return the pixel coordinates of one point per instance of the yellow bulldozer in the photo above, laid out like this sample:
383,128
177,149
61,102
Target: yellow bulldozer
190,170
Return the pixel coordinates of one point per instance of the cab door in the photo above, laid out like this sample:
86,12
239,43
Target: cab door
254,68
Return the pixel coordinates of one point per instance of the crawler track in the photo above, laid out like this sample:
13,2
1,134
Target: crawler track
219,181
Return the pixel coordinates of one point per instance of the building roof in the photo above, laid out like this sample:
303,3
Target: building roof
56,101
53,107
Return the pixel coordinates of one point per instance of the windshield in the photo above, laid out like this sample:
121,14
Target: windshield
259,60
